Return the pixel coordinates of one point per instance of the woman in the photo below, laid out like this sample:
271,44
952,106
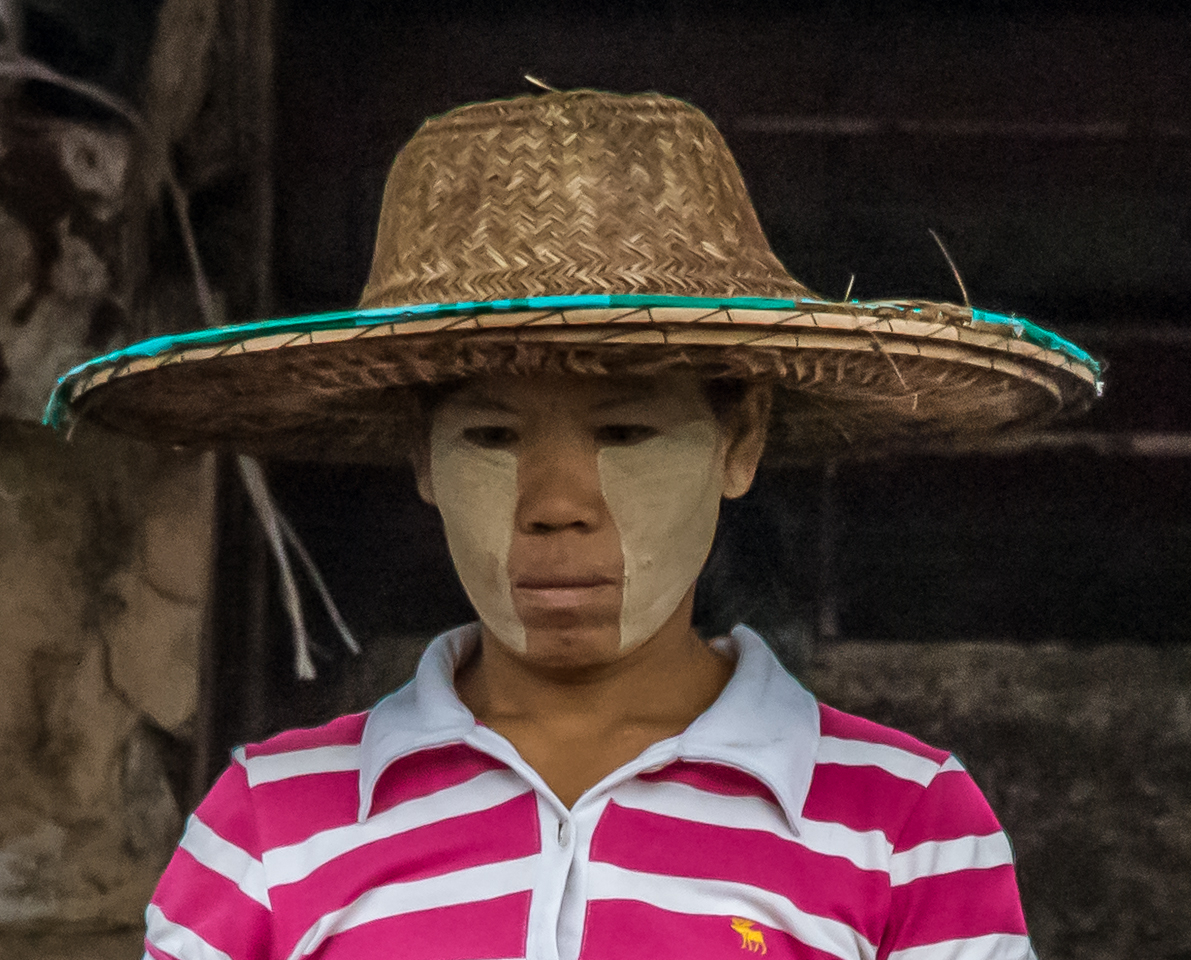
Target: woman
576,331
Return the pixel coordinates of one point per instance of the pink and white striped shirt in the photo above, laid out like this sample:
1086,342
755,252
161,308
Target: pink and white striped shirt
771,825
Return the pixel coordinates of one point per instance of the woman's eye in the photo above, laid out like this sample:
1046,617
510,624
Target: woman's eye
624,434
490,438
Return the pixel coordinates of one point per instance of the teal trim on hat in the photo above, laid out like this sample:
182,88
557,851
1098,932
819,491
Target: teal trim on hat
56,408
1041,337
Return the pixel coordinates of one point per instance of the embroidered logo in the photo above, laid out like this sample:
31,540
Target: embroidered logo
750,939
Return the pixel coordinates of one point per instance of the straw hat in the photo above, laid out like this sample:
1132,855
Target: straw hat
589,232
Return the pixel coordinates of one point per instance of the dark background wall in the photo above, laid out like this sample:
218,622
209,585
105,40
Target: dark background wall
1048,144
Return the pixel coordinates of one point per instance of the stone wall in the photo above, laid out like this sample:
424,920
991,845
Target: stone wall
134,201
104,563
104,546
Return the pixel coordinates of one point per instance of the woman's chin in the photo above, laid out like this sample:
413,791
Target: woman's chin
568,646
562,630
574,647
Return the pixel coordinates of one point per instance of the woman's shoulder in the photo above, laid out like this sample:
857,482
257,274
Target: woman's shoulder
341,734
846,735
869,776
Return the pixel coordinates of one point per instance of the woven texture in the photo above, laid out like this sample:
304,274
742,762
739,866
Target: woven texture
354,400
597,234
569,193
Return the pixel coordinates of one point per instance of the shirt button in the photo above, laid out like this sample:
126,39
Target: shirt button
564,832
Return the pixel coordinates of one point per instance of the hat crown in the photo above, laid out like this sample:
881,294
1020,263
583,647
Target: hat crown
569,193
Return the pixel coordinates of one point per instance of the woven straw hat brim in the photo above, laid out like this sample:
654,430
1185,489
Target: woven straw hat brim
590,233
856,376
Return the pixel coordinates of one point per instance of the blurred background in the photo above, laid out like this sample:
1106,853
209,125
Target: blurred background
165,163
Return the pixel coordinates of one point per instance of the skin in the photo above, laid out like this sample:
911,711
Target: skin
576,692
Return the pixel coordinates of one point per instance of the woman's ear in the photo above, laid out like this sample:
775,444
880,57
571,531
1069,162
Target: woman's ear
745,432
420,459
422,404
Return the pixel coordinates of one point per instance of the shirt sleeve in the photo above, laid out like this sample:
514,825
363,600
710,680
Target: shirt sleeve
212,902
954,891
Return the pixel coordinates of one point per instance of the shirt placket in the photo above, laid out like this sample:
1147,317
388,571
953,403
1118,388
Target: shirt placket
550,885
575,834
557,919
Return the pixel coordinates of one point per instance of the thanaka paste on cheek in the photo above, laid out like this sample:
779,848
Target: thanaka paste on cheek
476,493
664,497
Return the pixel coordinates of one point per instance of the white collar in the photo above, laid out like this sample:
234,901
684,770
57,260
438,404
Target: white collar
764,723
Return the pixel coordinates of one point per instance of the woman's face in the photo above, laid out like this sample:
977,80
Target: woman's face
580,510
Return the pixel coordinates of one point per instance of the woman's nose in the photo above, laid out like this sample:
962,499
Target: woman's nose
558,487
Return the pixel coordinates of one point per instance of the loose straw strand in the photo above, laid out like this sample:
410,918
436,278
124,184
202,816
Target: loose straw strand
316,578
880,348
954,269
258,492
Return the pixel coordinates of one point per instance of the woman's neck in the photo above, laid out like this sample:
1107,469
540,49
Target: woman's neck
575,726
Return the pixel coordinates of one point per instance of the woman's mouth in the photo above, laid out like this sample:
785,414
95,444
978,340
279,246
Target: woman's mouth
563,592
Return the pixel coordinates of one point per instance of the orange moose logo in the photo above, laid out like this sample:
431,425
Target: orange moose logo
750,939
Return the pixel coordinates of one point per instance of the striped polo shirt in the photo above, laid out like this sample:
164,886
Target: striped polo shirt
773,825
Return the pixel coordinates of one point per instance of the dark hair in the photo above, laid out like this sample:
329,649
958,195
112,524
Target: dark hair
723,395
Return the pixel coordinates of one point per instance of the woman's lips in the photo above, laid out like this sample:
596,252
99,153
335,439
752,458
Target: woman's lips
563,592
